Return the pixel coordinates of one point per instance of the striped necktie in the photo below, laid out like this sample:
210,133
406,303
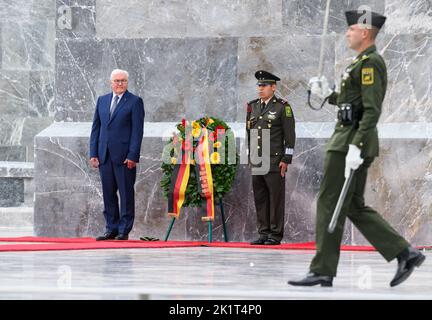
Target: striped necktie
114,105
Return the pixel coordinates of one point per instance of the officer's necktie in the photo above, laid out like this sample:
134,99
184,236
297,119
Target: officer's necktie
114,105
263,106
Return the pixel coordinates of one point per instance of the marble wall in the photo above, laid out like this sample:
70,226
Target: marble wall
16,184
195,57
189,58
69,197
27,58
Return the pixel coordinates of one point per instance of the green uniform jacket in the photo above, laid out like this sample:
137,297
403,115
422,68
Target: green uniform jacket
363,83
279,118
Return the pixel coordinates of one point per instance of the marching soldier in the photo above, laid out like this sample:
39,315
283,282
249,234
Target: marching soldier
274,115
353,146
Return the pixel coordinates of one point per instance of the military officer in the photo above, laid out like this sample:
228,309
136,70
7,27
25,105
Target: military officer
353,146
273,118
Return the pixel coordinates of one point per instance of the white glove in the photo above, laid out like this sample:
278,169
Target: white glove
320,87
352,160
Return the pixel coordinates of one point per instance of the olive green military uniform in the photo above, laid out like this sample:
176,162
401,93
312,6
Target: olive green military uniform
269,189
363,85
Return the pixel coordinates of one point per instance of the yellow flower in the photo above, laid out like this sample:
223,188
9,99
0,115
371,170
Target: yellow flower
196,132
173,160
195,125
196,129
215,158
210,121
217,144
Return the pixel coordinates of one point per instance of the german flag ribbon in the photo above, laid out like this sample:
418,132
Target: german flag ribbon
181,173
204,176
179,181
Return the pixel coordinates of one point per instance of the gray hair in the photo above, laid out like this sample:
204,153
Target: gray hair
116,71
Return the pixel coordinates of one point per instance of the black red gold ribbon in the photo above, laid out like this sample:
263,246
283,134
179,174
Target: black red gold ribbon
181,174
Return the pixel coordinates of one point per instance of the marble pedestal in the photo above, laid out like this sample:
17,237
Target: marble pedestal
68,196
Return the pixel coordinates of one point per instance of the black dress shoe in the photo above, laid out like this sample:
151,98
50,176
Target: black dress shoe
107,236
122,237
407,261
261,240
313,279
271,242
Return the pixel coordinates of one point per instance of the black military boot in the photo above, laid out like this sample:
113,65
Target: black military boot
260,240
408,259
313,279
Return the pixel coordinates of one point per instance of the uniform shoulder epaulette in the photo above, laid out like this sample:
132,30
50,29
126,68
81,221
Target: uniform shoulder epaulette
365,57
249,105
372,59
360,59
283,101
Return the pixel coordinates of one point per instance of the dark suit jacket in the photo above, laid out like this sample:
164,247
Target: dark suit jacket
122,134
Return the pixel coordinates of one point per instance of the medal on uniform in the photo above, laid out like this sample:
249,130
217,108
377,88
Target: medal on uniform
269,125
345,75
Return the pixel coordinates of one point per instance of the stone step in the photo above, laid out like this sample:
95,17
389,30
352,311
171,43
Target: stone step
16,169
12,232
16,217
16,183
16,222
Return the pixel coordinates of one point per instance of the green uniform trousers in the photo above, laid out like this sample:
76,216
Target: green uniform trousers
369,222
269,195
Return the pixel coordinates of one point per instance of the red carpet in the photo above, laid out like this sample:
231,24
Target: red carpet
47,244
46,239
85,244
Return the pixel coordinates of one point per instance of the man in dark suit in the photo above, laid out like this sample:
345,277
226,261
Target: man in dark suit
115,144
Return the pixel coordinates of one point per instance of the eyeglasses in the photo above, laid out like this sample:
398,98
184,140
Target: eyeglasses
119,81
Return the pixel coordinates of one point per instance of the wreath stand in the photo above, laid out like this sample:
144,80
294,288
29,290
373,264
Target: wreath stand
209,222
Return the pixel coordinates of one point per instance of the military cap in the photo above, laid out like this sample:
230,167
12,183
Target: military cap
362,17
265,77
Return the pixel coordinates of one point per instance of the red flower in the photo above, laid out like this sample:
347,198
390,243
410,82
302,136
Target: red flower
186,145
184,123
212,136
220,131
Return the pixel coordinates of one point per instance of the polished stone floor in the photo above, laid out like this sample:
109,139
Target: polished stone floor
198,273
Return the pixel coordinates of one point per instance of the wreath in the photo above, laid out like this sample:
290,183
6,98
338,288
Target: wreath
223,160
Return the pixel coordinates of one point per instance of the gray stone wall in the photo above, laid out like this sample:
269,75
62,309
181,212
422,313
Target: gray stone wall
189,58
192,58
27,58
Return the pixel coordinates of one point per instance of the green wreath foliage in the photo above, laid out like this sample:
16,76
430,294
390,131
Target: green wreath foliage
223,173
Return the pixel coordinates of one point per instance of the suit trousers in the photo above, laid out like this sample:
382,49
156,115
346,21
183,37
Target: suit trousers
117,177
